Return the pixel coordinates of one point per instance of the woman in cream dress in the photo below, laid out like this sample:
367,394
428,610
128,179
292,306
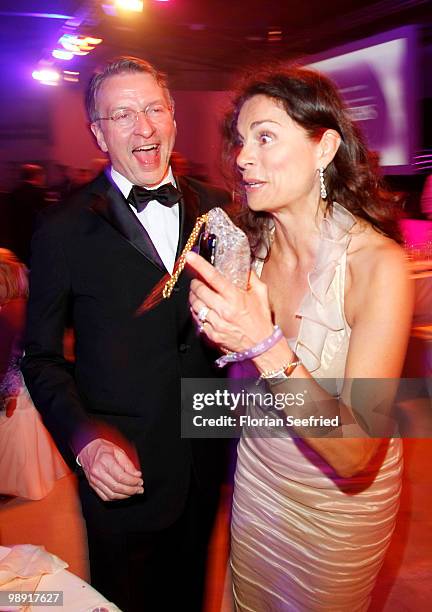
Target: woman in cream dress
30,463
312,515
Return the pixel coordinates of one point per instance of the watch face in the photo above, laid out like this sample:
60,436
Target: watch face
276,380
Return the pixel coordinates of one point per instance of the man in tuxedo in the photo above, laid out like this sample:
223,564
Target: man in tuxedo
148,496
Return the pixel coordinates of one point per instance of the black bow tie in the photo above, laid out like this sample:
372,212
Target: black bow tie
166,194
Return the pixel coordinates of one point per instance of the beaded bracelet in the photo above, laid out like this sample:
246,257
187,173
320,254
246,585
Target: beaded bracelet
256,350
274,377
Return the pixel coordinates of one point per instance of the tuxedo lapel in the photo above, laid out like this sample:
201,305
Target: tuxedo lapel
109,203
189,211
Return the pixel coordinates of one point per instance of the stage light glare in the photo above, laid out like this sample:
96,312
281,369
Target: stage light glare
109,9
62,54
130,5
93,41
68,42
78,44
47,76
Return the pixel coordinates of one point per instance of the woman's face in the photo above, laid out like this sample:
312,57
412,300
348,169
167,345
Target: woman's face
278,161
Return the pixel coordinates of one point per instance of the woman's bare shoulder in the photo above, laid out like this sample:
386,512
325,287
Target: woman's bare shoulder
371,253
377,269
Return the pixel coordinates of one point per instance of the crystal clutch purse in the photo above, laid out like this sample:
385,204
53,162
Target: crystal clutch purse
232,255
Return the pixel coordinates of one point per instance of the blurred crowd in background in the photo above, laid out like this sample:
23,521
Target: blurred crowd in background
30,187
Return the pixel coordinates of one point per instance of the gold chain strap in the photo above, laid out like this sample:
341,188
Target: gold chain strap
181,261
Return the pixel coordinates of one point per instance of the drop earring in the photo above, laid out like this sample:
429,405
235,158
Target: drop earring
323,189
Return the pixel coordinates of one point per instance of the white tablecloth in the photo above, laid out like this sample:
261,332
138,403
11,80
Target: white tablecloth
78,596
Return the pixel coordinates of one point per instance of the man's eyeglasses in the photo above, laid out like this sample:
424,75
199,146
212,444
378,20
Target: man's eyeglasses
126,117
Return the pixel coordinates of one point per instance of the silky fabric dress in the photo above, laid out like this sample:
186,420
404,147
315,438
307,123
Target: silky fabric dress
30,463
302,537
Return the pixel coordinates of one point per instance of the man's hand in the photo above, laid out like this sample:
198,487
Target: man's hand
109,470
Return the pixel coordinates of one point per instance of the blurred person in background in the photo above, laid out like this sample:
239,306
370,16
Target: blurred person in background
426,199
60,186
80,177
179,164
26,201
29,460
98,165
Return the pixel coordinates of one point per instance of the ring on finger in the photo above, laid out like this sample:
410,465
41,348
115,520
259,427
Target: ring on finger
202,314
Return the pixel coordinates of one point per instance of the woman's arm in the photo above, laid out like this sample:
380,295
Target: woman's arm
380,301
12,317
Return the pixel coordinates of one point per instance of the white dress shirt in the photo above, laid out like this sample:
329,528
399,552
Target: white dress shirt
161,222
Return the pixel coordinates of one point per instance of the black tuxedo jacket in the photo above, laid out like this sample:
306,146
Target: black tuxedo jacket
93,262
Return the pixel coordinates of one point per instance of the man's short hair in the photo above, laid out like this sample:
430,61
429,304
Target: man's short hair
121,65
